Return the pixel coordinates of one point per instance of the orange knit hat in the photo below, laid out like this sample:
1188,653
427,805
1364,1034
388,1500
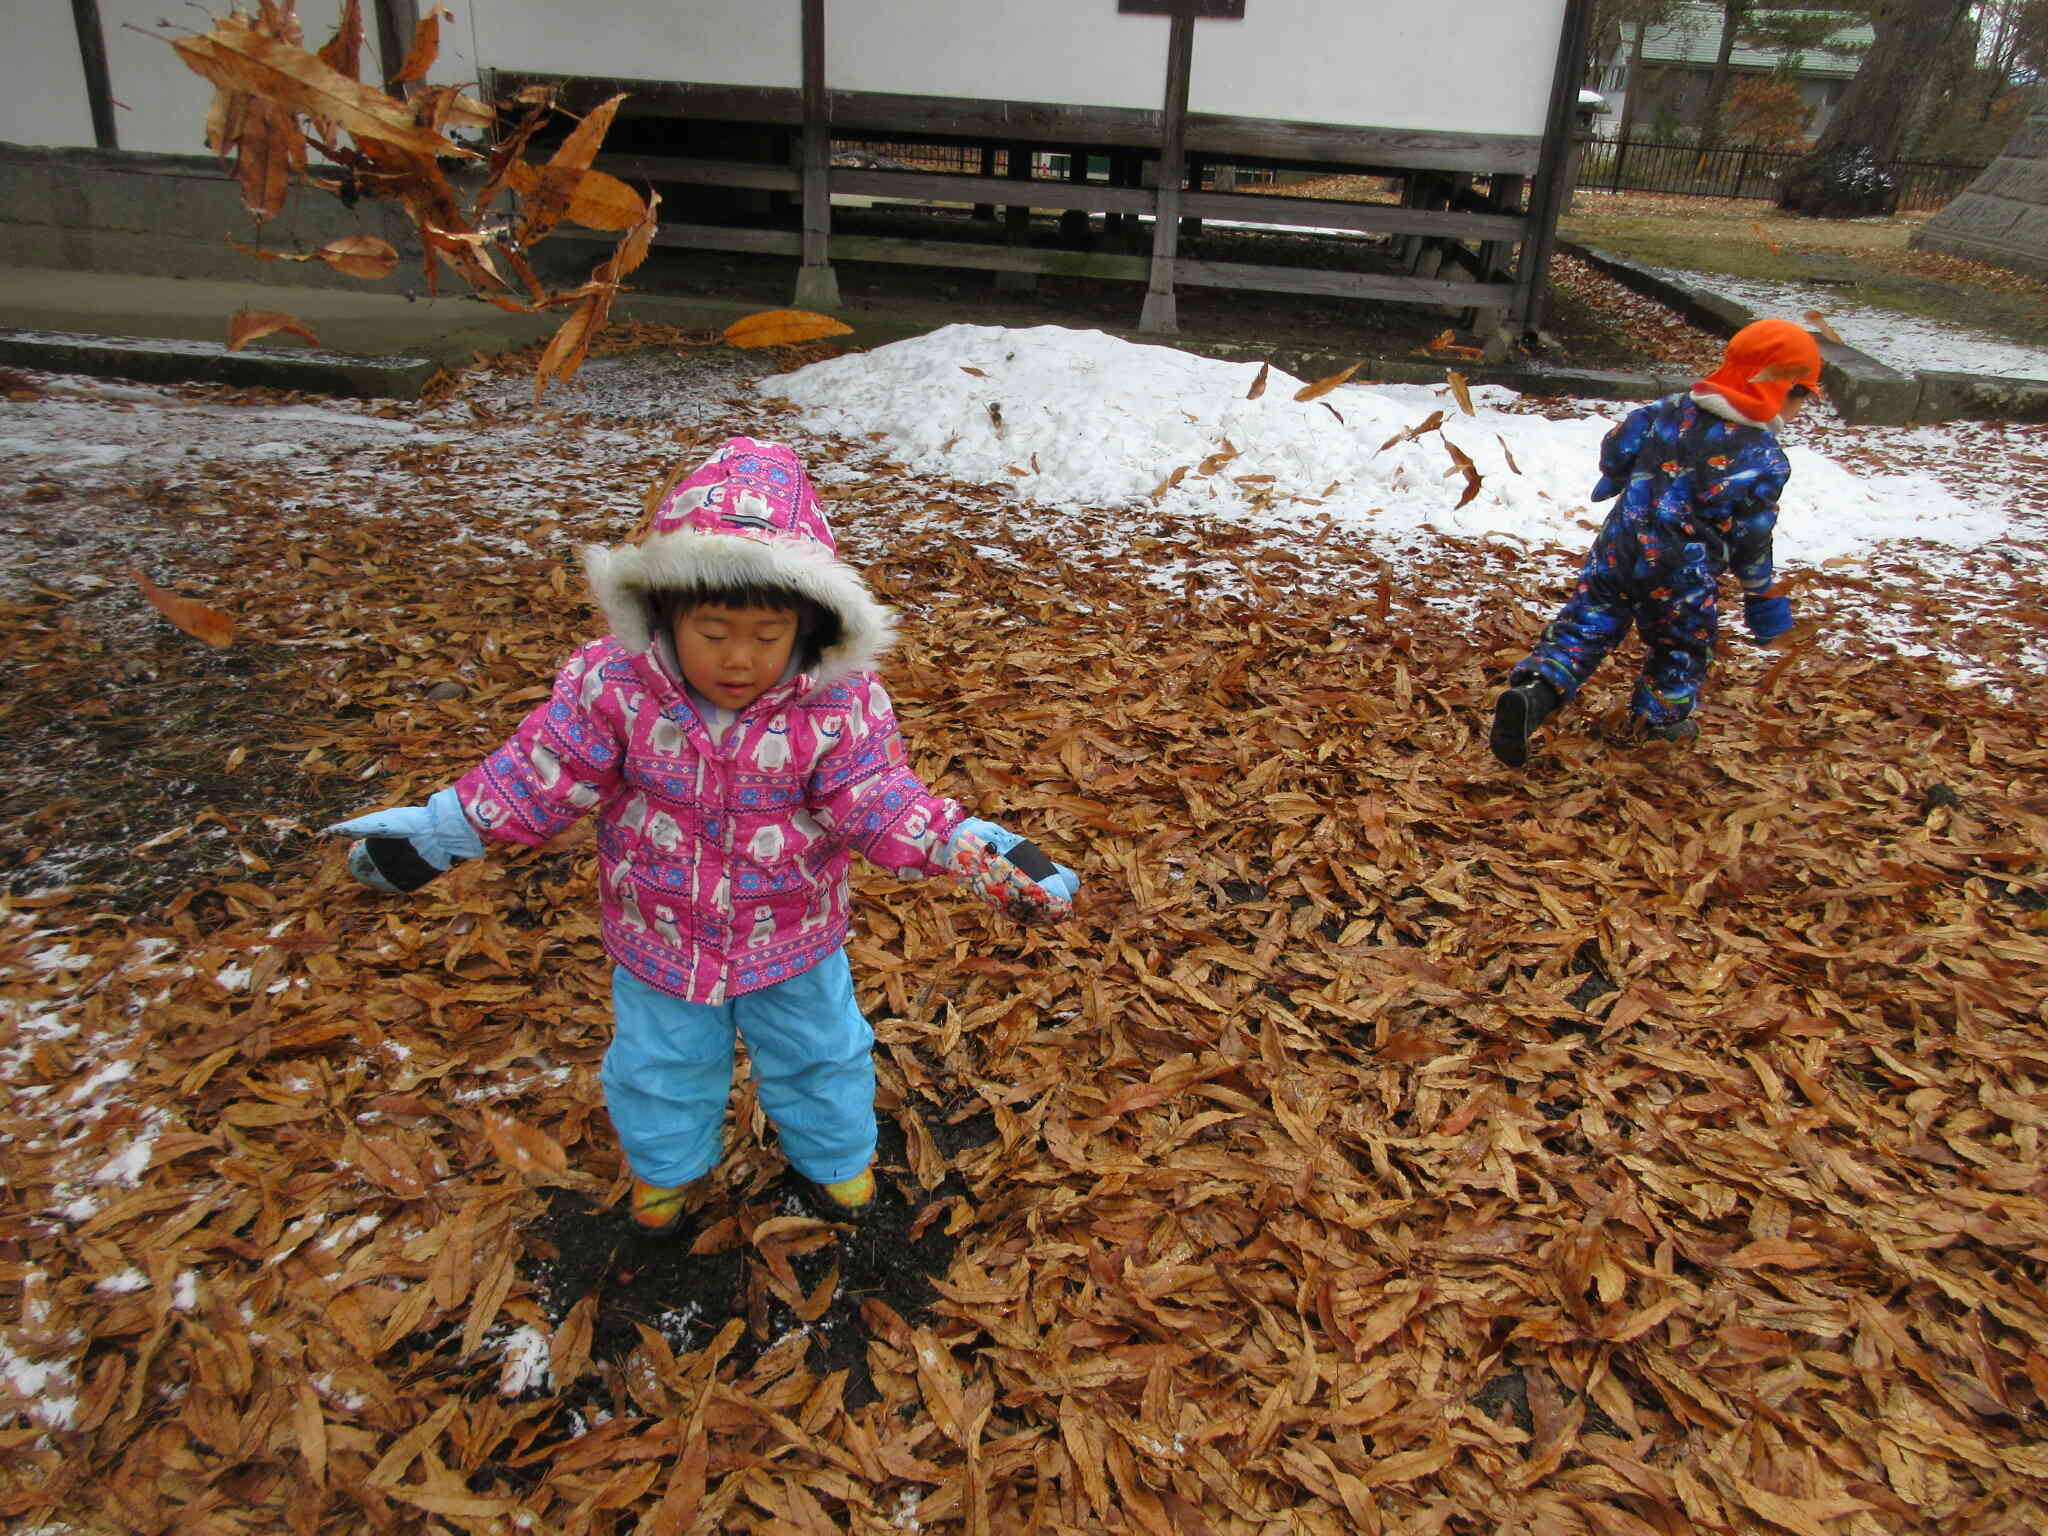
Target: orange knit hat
1763,361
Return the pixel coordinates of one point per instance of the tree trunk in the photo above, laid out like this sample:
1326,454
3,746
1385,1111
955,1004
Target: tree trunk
1717,85
1845,176
1635,83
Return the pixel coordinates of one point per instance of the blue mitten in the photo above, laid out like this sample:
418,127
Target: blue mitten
1010,873
402,850
1767,617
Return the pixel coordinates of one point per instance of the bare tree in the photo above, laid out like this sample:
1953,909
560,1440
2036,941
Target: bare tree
1632,18
1733,14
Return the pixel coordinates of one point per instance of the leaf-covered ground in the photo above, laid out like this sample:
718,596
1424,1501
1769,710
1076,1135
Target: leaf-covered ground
1648,1142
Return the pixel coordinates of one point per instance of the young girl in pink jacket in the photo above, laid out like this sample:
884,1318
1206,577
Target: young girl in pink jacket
737,749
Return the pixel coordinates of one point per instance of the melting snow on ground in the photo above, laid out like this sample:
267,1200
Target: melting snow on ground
1908,343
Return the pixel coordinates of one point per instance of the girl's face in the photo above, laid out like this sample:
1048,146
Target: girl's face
734,655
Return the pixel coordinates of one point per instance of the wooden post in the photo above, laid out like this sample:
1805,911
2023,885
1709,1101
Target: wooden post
1074,221
1532,273
92,57
817,285
1160,313
987,211
1017,222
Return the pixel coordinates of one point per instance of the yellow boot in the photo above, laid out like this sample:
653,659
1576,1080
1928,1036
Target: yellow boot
656,1208
854,1193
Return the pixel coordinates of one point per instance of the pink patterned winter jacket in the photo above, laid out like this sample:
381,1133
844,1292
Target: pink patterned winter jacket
723,863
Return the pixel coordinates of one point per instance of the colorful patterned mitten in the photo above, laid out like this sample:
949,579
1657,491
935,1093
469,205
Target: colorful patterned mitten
1010,873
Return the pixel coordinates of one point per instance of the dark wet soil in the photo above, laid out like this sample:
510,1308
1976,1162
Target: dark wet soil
875,1269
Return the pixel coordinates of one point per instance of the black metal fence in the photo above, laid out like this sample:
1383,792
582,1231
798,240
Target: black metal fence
1637,165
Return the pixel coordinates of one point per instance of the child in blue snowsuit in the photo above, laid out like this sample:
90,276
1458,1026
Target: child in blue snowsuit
1699,476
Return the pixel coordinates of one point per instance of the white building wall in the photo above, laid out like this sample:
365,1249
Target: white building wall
710,42
1479,66
160,106
1483,66
42,83
1073,52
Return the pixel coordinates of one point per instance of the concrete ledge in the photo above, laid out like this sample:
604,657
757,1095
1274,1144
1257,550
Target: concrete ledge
170,360
1865,391
1980,397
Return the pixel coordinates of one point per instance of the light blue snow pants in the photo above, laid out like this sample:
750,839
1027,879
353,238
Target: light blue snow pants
668,1074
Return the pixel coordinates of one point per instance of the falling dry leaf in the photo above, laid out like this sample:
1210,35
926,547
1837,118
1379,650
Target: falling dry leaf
1461,463
1460,391
1818,324
1323,386
1758,230
1422,428
248,325
426,46
1259,384
590,197
189,614
783,328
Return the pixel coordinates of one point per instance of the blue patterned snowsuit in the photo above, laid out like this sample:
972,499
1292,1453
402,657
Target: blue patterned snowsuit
1699,496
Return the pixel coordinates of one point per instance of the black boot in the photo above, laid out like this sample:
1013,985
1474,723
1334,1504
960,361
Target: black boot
1516,714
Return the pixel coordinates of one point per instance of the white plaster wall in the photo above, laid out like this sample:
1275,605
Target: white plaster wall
711,42
1477,66
1482,66
161,106
1076,52
42,83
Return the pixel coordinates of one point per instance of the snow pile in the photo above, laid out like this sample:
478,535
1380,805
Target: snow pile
1074,420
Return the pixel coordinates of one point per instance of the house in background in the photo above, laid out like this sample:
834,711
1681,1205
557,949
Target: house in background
1678,64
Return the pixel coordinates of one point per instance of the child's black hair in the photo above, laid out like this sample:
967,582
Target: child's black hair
818,628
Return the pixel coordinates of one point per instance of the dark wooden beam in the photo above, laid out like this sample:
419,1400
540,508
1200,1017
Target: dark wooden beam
397,21
1364,146
1369,218
1350,285
1546,203
1005,258
1160,313
817,285
779,106
99,86
943,187
941,118
703,173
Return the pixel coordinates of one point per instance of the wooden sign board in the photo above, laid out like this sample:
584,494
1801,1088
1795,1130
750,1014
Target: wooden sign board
1205,10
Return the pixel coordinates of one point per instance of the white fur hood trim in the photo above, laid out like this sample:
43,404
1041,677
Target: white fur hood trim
624,579
1717,404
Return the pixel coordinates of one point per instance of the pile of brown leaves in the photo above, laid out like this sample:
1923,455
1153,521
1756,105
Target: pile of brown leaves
1648,1143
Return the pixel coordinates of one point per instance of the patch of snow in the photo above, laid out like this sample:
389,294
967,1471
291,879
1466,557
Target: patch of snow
1909,343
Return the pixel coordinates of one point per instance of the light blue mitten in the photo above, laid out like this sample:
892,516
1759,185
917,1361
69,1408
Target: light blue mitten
1011,873
402,850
